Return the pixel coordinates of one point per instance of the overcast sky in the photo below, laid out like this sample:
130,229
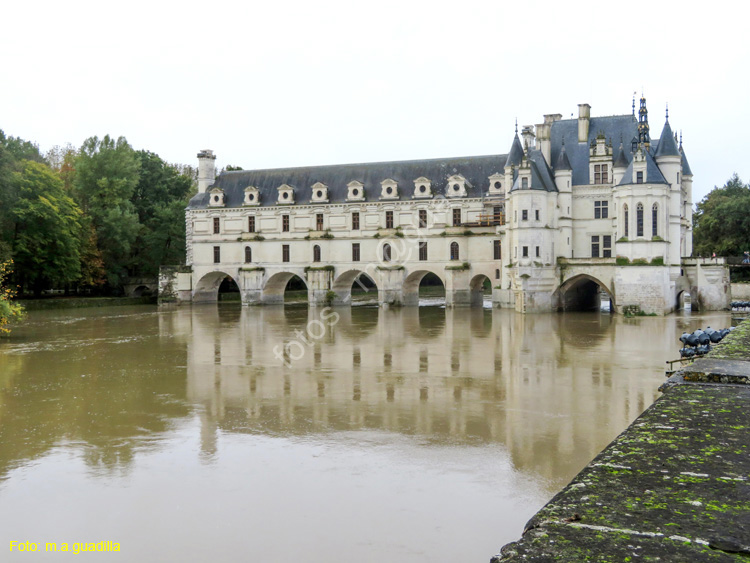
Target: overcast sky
274,84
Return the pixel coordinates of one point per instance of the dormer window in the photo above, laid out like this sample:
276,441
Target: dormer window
286,194
496,184
388,189
320,192
524,183
252,196
456,186
601,173
639,177
422,187
216,198
356,191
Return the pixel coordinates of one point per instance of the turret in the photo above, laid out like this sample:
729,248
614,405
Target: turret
206,169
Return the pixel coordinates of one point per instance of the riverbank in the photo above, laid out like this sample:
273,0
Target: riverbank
82,302
675,486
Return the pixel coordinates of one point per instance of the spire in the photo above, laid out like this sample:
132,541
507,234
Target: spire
516,126
680,139
562,160
667,145
644,137
516,151
633,104
667,111
685,166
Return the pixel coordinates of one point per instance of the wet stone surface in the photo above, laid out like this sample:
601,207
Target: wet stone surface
675,486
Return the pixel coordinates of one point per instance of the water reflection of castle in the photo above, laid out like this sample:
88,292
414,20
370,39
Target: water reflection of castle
554,389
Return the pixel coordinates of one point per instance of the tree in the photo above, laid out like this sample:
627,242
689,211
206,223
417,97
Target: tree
721,223
9,311
106,175
46,240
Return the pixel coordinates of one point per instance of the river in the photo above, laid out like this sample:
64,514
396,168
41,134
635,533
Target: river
223,433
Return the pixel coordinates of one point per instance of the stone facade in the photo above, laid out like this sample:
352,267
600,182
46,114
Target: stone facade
581,207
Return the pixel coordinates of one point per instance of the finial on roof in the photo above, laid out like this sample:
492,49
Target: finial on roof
516,126
633,103
667,111
680,138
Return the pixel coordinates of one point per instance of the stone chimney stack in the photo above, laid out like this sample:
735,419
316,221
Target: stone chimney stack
584,116
528,136
206,170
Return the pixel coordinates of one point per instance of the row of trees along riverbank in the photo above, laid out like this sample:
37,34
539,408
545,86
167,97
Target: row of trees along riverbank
84,219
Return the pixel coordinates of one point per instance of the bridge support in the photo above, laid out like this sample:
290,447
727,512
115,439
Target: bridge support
251,285
319,283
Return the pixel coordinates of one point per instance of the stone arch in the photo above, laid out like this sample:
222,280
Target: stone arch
411,285
142,291
581,293
476,288
342,286
275,286
207,288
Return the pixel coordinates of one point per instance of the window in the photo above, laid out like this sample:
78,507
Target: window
285,253
595,246
355,221
389,219
497,213
525,251
422,218
655,220
285,223
515,215
497,273
601,209
456,217
217,254
423,250
601,174
217,225
639,177
454,251
386,253
538,252
626,217
524,183
248,255
355,252
639,220
251,224
319,222
525,215
496,249
316,253
536,214
607,246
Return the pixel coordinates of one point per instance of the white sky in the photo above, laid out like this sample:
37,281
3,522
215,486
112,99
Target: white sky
273,84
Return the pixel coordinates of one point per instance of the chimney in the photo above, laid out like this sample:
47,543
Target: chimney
528,136
584,114
206,170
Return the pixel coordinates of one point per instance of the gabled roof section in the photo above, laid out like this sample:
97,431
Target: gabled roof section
653,174
541,175
667,145
621,161
476,170
516,152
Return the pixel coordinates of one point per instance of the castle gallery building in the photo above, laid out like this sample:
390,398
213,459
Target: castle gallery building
576,208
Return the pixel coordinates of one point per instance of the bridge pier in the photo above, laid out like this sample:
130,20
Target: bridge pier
319,283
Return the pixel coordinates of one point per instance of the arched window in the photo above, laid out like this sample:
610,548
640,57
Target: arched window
454,251
316,253
655,220
626,220
639,220
248,255
386,253
497,274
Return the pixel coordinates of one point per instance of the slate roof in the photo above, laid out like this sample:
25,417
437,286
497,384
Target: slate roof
562,160
541,175
516,152
621,161
476,170
653,174
667,145
685,166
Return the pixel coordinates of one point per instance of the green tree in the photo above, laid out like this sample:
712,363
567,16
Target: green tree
106,176
47,233
721,223
9,311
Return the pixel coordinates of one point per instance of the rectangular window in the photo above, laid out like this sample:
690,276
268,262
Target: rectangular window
422,218
639,177
285,223
251,224
525,183
389,219
497,214
524,215
595,246
601,209
525,251
538,252
536,214
607,246
355,221
355,252
319,222
423,250
601,174
217,254
496,249
515,215
456,217
285,253
217,226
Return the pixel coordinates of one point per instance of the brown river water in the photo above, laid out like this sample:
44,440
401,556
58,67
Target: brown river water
223,433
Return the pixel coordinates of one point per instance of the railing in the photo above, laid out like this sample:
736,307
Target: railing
486,220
